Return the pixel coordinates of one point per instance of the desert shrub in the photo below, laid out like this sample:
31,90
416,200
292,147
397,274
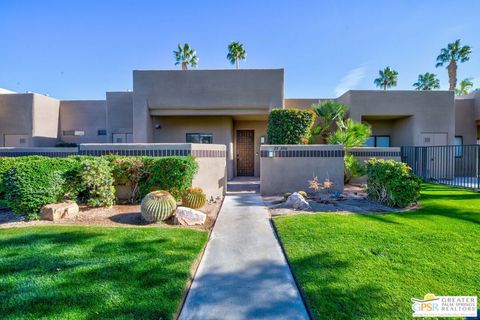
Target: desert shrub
96,182
29,185
128,171
173,174
392,183
290,126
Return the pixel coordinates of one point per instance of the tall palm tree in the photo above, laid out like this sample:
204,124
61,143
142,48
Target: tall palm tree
464,87
386,78
185,56
427,81
328,113
236,52
452,54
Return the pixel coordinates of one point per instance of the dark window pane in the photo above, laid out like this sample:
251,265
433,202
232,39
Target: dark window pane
102,132
370,142
383,142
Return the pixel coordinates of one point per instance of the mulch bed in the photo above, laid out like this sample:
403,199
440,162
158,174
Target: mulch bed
115,216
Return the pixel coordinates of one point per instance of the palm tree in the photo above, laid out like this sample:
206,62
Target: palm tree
185,56
328,113
236,52
464,88
452,54
386,78
427,81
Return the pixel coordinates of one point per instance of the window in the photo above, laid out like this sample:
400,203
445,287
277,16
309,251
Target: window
378,141
102,132
459,146
199,138
73,133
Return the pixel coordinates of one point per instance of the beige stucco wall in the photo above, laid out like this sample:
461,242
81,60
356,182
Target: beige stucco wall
174,130
260,129
422,112
290,174
119,110
465,125
16,116
212,166
45,121
83,115
203,92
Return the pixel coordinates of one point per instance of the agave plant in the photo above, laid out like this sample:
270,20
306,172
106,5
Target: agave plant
185,56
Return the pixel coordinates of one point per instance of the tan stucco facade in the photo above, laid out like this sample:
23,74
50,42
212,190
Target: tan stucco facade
165,105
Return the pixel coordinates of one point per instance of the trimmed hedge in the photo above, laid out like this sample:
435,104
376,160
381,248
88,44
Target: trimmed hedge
28,183
290,126
173,174
33,182
391,183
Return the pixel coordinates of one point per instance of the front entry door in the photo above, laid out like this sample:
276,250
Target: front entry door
245,153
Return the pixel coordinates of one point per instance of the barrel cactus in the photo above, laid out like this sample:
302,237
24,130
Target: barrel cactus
158,206
194,198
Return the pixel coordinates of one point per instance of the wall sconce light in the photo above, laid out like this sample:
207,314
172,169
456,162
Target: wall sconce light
270,154
158,126
262,140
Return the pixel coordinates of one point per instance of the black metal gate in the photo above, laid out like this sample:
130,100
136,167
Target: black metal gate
451,165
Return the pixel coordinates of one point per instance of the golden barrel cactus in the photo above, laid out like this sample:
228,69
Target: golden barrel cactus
194,198
158,206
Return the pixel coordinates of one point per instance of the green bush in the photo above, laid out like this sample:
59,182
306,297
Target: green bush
290,126
391,183
128,171
5,164
29,185
96,182
352,168
173,174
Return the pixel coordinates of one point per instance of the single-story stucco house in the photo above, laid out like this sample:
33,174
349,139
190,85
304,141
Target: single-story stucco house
227,107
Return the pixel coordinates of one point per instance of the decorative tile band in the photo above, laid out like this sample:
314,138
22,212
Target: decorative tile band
37,153
302,154
376,153
151,153
158,153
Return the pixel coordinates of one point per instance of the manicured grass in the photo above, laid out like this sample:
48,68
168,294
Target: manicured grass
370,266
95,273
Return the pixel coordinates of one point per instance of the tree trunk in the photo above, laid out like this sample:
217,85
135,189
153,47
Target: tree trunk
384,85
237,65
184,66
452,74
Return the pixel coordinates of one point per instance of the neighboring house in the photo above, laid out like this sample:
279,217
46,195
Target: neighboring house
228,107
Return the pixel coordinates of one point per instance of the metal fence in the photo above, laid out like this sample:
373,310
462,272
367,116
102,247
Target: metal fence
451,165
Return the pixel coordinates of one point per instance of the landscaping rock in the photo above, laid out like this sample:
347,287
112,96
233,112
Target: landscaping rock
189,217
297,202
56,211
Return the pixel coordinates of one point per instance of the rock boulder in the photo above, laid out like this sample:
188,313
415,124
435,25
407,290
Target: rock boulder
189,217
297,202
56,211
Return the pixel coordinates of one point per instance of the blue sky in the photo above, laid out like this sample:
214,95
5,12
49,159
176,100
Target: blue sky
80,49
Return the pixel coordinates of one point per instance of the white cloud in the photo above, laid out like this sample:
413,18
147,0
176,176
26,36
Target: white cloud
350,80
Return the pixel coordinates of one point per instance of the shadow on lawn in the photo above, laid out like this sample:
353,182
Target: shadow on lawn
60,274
329,296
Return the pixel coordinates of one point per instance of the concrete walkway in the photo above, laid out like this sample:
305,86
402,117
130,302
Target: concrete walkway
243,273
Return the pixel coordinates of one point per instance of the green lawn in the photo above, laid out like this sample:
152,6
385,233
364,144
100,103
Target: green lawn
95,273
370,266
